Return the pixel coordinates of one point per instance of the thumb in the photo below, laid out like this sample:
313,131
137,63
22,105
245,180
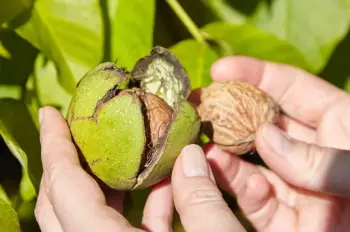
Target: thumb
309,166
197,198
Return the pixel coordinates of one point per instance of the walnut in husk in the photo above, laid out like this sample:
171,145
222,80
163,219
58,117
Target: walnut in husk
231,112
130,127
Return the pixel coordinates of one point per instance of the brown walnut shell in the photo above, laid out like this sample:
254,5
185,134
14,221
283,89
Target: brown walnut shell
232,111
158,113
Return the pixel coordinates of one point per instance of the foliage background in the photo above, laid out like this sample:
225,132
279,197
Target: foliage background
47,45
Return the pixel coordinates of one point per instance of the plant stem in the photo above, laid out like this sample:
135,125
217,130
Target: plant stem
186,20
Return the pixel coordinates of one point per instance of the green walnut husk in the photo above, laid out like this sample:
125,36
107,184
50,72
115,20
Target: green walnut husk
131,126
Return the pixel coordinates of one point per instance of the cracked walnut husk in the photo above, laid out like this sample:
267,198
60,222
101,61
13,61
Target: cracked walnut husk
131,126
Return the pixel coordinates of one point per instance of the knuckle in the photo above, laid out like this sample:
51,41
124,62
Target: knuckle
54,173
203,196
315,161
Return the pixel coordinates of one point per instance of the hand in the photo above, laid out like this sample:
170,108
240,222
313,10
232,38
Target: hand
308,186
70,200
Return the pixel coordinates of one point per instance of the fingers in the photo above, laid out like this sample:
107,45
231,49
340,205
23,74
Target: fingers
301,95
296,130
305,165
158,211
253,189
196,196
334,129
77,200
44,214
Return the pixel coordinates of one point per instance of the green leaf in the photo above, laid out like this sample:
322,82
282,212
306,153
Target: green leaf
26,189
10,91
4,52
134,203
224,11
15,69
261,14
3,195
21,136
48,89
197,59
8,218
11,9
69,33
132,31
30,99
249,41
313,26
347,85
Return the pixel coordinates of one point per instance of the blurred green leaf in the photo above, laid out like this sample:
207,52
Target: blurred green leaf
30,99
8,218
21,136
15,69
48,89
134,204
247,40
132,30
261,14
11,9
10,91
177,225
224,11
197,59
3,51
3,195
27,190
313,26
347,85
69,33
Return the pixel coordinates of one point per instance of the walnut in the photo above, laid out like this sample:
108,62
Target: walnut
158,113
232,111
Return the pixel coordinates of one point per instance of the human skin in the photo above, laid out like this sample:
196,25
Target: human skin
306,188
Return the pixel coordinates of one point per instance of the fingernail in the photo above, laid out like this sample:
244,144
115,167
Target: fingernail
41,115
194,162
278,140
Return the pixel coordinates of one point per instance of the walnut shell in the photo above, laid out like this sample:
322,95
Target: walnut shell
232,111
158,113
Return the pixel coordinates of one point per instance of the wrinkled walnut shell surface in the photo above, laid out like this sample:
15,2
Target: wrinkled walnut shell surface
232,111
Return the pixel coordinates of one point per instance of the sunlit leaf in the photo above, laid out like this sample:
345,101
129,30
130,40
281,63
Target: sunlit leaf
69,33
224,11
21,136
313,26
8,218
3,195
261,14
30,98
132,31
48,89
10,91
197,59
249,41
11,9
27,190
3,51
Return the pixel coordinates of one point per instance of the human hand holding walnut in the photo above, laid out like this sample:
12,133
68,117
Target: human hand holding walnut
308,187
306,178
